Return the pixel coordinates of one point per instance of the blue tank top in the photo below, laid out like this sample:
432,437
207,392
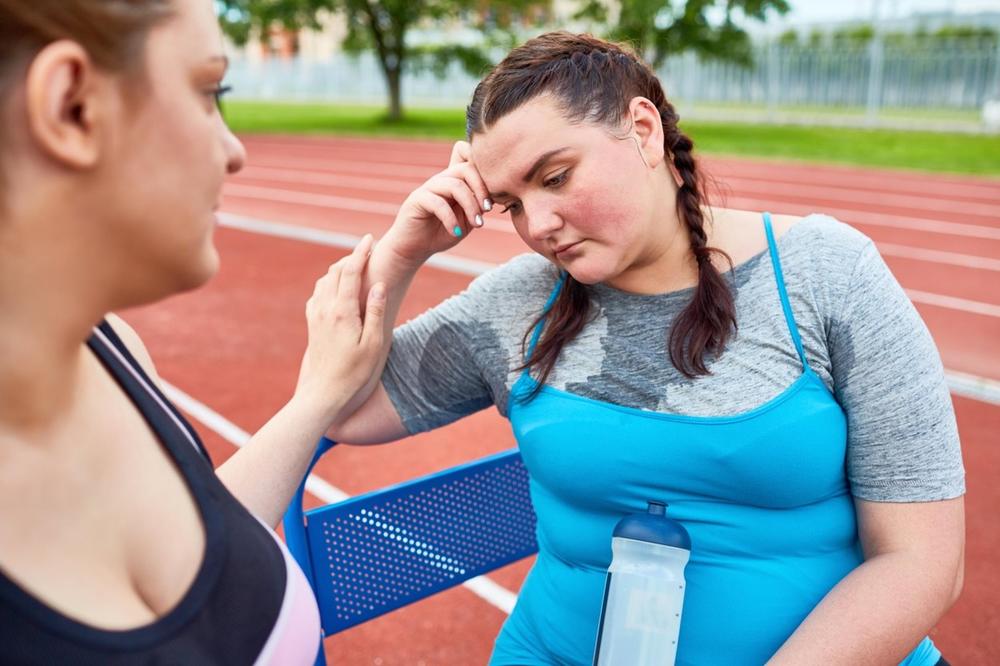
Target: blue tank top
763,494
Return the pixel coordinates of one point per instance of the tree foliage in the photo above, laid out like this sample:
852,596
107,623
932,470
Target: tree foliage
383,26
660,28
240,17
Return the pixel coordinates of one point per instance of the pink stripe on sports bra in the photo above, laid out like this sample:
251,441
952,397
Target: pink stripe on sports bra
296,636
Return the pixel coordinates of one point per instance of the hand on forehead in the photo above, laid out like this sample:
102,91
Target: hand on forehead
509,149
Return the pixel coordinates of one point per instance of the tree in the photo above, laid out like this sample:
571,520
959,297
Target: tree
659,28
789,38
382,26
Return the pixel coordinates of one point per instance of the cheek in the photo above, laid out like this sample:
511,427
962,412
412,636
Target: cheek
601,212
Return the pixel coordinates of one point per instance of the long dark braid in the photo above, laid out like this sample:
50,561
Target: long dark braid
705,325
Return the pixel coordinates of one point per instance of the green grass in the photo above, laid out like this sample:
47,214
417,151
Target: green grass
258,117
722,111
923,151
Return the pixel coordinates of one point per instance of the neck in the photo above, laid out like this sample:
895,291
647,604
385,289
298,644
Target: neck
664,263
50,304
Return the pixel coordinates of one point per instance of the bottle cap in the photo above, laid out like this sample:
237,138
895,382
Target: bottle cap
653,527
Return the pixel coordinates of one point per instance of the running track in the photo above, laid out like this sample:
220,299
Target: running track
231,350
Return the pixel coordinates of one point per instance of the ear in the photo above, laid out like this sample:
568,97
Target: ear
647,129
66,99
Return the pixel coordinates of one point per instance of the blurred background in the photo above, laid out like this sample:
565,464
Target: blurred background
915,64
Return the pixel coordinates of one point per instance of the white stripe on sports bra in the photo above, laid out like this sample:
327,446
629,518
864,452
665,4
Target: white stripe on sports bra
145,385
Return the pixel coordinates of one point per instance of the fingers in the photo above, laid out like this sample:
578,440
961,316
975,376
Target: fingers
336,295
373,328
461,164
325,291
349,287
455,201
458,190
474,181
440,207
460,152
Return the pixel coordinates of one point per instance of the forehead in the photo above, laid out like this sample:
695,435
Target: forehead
192,33
507,148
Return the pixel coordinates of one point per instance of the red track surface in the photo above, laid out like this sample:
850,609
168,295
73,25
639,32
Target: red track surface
235,345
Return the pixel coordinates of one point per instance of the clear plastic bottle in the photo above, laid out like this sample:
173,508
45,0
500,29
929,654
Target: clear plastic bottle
644,593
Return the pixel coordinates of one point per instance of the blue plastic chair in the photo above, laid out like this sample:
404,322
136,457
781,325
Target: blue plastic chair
377,552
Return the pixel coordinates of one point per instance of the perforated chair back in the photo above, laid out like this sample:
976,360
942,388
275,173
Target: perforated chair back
377,552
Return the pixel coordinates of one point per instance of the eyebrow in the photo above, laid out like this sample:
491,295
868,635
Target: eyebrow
538,164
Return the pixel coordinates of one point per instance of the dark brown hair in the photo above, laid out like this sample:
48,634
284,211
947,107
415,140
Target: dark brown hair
593,81
113,32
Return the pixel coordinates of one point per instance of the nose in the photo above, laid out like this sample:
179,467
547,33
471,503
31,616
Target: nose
236,154
543,221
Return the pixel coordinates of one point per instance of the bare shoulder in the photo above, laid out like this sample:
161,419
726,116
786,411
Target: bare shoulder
782,223
740,233
134,344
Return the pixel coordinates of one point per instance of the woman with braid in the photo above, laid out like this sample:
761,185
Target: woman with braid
763,375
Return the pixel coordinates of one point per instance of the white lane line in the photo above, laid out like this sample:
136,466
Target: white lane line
403,187
986,193
971,386
863,200
864,217
344,241
355,166
488,590
938,256
497,595
310,199
953,303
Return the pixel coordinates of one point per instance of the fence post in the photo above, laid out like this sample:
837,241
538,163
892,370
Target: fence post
991,103
773,90
876,53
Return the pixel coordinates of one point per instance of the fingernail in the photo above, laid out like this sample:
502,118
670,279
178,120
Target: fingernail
378,291
458,232
479,220
487,205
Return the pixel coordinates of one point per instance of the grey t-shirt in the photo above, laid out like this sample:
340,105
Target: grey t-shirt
861,336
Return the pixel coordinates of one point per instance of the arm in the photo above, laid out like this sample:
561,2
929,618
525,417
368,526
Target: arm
425,224
912,574
343,352
335,377
903,464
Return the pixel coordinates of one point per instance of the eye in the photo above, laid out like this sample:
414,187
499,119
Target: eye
512,208
557,180
217,93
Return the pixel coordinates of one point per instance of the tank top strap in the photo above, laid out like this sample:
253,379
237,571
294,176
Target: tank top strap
772,246
164,418
537,333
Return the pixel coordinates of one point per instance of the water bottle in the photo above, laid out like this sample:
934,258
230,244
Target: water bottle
644,593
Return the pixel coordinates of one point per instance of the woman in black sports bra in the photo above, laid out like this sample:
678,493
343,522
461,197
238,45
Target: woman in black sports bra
119,544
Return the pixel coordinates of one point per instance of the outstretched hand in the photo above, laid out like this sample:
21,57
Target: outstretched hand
343,359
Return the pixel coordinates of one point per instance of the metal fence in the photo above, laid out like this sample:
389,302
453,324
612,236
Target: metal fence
875,83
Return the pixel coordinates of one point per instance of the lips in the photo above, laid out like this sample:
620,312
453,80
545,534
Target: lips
559,249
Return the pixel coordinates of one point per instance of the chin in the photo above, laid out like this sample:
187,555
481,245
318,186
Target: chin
588,275
196,273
